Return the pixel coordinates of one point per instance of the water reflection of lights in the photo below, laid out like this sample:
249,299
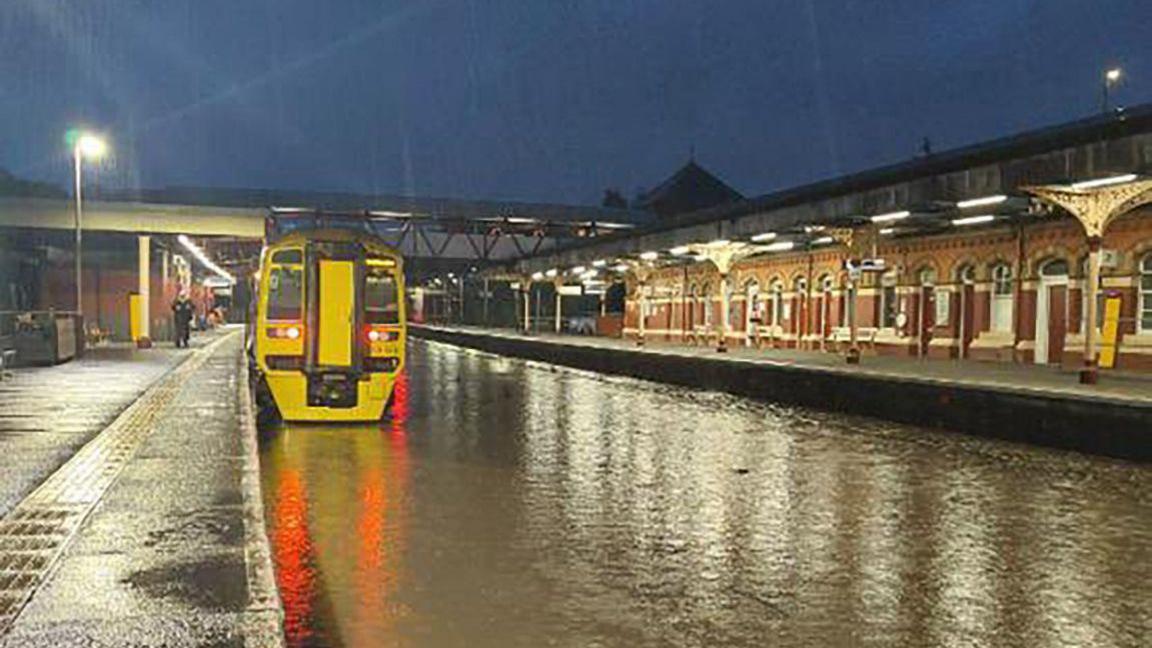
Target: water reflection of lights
292,545
333,488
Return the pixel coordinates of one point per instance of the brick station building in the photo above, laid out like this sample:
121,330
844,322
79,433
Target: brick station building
1007,286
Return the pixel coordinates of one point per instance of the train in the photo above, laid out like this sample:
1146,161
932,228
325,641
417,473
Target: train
326,341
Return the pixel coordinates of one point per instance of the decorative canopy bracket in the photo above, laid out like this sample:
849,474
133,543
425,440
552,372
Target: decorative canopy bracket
1097,207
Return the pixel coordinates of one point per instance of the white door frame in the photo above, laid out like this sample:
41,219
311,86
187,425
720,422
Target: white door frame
1040,352
750,296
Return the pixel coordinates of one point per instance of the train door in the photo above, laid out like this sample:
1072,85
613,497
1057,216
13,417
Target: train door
336,310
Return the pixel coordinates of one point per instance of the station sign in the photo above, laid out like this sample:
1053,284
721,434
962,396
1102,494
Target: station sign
857,267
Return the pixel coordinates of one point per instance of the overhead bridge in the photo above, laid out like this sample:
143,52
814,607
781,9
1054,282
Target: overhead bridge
439,229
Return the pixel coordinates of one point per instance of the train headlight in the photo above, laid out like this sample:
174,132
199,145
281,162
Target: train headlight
293,333
374,335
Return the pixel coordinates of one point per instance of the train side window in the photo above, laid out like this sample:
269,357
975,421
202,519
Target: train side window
285,293
381,305
293,257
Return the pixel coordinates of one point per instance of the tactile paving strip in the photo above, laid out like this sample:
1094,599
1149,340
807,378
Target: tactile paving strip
37,531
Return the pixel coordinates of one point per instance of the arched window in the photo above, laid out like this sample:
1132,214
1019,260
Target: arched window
1146,294
706,304
928,277
1054,268
1003,297
753,304
966,274
777,303
889,304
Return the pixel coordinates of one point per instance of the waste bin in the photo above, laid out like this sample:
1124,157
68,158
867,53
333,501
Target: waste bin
46,338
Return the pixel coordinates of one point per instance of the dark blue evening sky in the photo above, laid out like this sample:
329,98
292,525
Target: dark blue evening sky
549,100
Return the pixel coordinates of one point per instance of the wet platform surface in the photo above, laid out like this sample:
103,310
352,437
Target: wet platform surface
47,413
509,503
161,554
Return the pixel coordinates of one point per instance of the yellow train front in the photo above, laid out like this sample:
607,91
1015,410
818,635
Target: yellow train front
329,329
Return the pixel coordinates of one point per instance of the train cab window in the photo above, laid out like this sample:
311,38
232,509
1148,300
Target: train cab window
285,293
293,257
381,305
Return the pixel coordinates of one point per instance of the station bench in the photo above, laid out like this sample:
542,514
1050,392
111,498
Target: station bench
842,336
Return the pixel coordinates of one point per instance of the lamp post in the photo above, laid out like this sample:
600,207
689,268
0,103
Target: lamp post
1111,78
91,147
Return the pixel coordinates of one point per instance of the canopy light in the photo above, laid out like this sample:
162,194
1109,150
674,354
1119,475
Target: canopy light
823,240
621,268
766,236
1104,182
680,250
982,202
886,231
203,258
974,220
537,276
578,270
650,256
552,272
599,263
781,246
890,217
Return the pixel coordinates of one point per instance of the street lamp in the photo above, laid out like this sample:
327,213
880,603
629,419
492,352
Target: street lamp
1111,78
92,147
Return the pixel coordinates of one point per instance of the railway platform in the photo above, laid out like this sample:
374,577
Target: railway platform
131,512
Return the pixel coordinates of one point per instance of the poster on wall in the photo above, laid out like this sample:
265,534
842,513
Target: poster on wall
942,302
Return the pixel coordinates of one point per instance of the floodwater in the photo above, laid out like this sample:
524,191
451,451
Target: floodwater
506,503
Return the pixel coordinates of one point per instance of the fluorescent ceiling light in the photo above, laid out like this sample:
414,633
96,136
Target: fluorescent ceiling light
974,220
887,230
552,273
1104,182
680,250
650,256
766,236
893,216
823,240
621,268
781,246
981,202
203,258
578,269
537,276
719,243
599,263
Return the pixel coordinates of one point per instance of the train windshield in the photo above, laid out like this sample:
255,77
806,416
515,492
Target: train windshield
381,305
285,293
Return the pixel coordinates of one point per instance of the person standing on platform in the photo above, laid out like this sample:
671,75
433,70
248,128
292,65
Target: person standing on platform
182,312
